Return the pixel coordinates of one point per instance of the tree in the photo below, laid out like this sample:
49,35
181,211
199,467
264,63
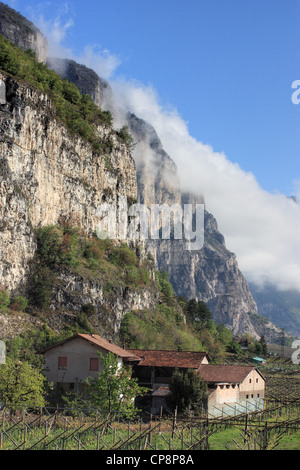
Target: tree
114,391
255,347
264,347
187,391
124,134
164,285
4,299
26,346
198,313
224,334
21,384
234,347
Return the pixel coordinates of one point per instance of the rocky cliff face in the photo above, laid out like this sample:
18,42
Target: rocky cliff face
85,79
22,32
210,274
48,175
73,292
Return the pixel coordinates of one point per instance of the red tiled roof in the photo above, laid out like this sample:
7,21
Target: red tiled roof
103,343
96,340
230,374
180,359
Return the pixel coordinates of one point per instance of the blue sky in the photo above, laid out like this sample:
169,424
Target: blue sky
226,66
214,77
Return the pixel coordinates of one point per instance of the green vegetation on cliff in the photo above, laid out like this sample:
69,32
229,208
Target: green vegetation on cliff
64,246
169,328
76,111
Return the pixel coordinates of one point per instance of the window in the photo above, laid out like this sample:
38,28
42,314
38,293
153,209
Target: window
94,363
256,380
62,362
258,395
249,381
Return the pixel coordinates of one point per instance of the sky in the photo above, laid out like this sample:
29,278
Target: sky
214,77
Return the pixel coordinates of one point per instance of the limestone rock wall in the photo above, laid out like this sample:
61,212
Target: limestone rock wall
48,175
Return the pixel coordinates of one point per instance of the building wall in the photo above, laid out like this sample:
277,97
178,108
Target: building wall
78,353
224,393
204,360
252,387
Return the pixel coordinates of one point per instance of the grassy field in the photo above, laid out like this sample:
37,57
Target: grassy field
232,439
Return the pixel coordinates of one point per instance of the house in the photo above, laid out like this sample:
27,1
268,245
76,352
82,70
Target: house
69,362
231,388
241,386
156,368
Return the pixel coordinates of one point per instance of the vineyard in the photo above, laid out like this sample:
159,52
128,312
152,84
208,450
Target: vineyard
53,429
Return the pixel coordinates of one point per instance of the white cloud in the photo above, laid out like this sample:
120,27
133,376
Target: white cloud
100,60
55,29
263,229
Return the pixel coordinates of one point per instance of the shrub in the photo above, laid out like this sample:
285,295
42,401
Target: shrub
70,92
137,276
123,256
158,329
82,323
89,309
59,246
8,61
124,134
187,391
164,285
19,304
4,299
68,247
41,286
49,240
94,252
